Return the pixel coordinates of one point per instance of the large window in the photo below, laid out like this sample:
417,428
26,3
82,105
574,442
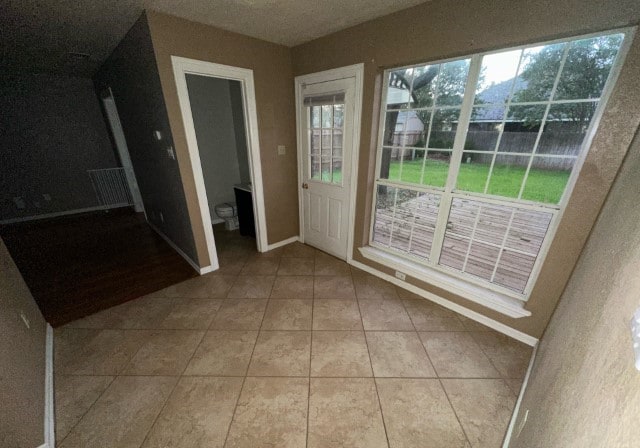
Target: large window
477,154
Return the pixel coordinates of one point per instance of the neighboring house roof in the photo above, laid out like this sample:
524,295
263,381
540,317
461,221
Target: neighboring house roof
496,94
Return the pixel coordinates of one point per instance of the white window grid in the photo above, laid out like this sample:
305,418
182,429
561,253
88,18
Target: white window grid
322,130
449,192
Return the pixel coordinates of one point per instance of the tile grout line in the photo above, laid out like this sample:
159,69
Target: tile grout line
244,379
88,409
373,376
310,361
437,375
175,386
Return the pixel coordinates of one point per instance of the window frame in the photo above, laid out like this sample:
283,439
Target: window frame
448,193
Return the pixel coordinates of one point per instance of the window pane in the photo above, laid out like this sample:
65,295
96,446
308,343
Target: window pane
538,72
399,88
451,82
474,171
426,211
547,179
315,116
412,163
513,270
443,128
521,128
406,128
337,156
565,128
424,86
476,232
497,77
327,116
528,229
484,128
436,168
587,67
315,153
421,241
385,198
338,115
507,175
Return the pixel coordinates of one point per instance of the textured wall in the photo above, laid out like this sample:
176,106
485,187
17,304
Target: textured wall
22,360
438,30
584,390
51,132
271,65
132,74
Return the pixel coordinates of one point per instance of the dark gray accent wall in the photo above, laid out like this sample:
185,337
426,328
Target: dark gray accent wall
132,74
51,132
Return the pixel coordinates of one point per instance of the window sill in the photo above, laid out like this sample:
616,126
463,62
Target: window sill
496,301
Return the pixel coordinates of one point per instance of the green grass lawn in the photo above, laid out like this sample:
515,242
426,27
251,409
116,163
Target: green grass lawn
542,185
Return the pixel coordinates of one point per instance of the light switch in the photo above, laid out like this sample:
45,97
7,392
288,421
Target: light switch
157,135
282,150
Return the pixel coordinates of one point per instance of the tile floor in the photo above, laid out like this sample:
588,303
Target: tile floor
291,348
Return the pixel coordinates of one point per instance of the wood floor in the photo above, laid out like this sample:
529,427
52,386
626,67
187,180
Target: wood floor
78,265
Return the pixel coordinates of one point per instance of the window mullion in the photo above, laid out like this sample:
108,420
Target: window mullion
456,156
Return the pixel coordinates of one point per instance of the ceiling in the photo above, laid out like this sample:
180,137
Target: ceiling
38,35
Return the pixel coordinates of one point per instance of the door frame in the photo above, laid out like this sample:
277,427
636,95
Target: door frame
182,67
120,141
351,71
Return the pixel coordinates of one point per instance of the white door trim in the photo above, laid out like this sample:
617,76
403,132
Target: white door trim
351,71
113,119
183,66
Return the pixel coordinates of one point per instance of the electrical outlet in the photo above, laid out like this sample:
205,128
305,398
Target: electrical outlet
282,150
157,135
401,275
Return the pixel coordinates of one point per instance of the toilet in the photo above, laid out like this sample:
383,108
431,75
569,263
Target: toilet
229,212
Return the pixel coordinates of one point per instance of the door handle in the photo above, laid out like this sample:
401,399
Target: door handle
305,186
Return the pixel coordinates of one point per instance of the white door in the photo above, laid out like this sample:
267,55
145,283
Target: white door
326,125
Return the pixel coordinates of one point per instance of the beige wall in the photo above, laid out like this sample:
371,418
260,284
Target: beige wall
132,74
22,360
442,29
273,78
584,390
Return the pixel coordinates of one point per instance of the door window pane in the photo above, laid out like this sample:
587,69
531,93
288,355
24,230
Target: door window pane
326,123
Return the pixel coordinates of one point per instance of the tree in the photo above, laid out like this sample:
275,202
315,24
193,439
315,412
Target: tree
583,76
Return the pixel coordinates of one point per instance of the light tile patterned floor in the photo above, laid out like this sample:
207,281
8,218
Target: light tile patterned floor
291,348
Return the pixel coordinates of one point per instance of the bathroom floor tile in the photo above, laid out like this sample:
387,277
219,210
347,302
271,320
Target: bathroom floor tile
240,314
293,287
281,353
288,314
333,314
340,354
398,354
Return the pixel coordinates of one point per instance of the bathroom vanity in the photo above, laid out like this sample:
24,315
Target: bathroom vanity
244,202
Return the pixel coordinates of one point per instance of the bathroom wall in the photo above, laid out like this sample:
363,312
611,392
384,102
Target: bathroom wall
216,131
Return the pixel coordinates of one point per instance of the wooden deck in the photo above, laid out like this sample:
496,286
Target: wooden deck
475,236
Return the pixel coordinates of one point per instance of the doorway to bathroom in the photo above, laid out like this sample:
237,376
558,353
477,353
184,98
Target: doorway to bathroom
219,113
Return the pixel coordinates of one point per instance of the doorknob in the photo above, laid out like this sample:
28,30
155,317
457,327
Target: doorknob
305,186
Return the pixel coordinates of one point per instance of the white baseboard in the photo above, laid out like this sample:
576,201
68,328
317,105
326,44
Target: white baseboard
193,264
63,213
293,239
494,324
49,410
516,409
